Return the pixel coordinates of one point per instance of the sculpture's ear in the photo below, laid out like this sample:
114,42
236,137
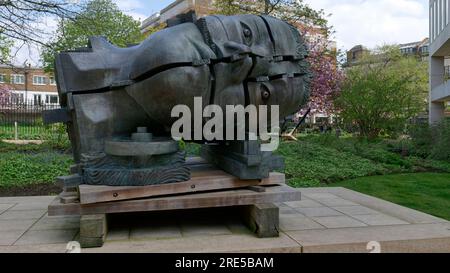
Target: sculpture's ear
99,43
189,17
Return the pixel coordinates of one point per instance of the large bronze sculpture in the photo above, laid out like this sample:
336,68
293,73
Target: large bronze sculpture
117,102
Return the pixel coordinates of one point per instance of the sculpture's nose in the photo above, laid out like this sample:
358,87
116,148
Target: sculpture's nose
233,48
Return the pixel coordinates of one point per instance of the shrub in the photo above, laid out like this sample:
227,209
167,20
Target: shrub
431,142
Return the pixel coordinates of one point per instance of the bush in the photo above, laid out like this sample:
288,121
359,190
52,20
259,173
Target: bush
318,159
25,168
310,164
432,142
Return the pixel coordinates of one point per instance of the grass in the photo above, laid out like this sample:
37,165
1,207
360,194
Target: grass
427,192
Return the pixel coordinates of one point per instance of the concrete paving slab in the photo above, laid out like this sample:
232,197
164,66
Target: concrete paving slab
363,219
297,222
320,195
379,220
238,227
47,248
319,212
5,207
50,223
389,208
356,210
204,244
26,199
118,234
336,202
16,224
9,237
22,214
305,203
155,232
41,205
36,237
204,228
402,238
338,222
288,210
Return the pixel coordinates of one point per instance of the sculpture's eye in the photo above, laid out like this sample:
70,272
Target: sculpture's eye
248,35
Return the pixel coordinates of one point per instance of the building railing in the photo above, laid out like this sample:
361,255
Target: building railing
439,13
447,72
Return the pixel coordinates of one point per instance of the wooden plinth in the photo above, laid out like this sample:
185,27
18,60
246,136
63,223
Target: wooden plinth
208,188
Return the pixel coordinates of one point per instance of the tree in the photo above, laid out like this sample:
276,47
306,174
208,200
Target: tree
21,21
5,94
313,24
383,92
97,18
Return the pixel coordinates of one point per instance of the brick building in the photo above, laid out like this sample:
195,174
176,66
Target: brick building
200,7
30,84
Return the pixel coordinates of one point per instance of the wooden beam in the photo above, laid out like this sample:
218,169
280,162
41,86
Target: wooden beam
201,181
241,197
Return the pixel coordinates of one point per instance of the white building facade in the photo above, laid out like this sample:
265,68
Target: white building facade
439,53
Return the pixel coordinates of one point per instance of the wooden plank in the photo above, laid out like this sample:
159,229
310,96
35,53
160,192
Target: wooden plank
241,197
200,182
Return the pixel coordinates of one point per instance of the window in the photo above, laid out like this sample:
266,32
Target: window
51,99
17,97
52,80
17,79
37,99
2,78
39,80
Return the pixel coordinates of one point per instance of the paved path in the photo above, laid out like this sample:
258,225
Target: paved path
326,220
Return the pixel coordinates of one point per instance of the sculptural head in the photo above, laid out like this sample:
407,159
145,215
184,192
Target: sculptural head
226,60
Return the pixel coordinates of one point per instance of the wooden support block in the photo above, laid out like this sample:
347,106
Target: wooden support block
75,169
69,197
263,219
93,230
69,181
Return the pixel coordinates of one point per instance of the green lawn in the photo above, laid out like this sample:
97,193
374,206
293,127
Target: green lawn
427,192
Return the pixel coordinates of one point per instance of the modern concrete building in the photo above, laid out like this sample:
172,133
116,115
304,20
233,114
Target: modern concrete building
439,50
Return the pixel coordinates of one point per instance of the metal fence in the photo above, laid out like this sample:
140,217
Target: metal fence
22,119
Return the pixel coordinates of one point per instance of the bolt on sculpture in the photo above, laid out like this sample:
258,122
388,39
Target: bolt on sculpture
117,102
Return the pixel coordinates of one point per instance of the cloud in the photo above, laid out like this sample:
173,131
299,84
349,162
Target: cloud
375,22
134,8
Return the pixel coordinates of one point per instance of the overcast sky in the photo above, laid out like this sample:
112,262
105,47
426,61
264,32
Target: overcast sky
367,22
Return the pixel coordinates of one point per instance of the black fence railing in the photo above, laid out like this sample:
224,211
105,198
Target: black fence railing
22,119
447,72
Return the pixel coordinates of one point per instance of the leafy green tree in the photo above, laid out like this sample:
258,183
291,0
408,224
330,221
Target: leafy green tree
5,48
97,18
293,11
382,92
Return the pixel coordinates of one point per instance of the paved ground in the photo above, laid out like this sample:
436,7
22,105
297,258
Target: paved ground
326,220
